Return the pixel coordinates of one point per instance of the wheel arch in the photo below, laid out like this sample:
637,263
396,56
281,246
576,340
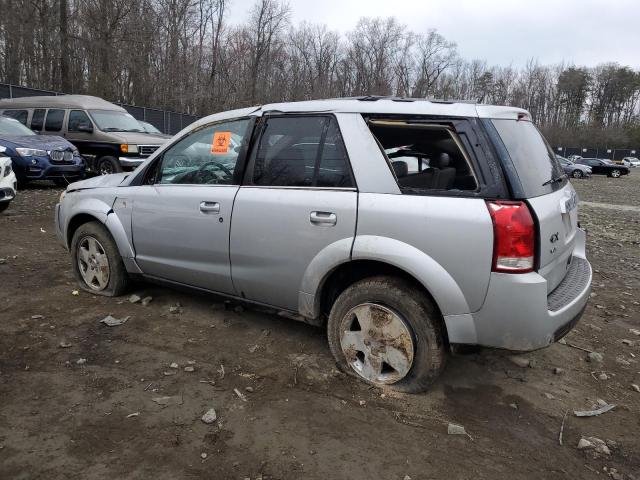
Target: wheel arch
95,210
380,255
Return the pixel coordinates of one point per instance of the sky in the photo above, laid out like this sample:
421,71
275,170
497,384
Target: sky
502,32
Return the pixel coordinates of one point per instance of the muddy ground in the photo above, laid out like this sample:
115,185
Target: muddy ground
301,418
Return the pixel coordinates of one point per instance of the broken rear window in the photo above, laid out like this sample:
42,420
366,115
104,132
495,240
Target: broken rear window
424,157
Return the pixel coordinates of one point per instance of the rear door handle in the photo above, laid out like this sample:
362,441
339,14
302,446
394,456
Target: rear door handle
323,218
209,207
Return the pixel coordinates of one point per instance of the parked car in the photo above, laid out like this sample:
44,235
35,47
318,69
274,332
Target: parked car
149,128
574,158
603,166
39,157
574,170
631,162
8,182
296,206
104,133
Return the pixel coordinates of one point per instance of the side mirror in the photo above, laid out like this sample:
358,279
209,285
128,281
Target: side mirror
85,127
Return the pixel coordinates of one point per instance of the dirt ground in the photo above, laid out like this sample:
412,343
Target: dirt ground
299,417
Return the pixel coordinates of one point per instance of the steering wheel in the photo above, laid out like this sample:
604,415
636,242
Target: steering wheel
216,164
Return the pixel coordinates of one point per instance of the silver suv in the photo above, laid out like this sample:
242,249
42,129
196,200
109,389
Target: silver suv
402,226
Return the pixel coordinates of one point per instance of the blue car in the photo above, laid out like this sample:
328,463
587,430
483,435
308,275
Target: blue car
39,157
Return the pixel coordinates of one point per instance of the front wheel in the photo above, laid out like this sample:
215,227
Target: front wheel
576,174
97,264
615,173
4,206
385,331
108,165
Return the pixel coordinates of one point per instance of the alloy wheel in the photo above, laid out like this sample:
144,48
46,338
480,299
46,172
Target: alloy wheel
93,263
377,343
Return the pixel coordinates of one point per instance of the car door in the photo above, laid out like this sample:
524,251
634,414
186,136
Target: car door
182,212
298,198
597,167
79,129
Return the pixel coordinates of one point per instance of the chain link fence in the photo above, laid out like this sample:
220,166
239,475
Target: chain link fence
164,120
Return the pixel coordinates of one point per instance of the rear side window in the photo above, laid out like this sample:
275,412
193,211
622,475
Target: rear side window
302,152
53,123
20,115
535,163
37,120
425,157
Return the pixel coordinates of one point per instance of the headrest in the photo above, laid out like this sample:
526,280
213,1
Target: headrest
400,168
443,160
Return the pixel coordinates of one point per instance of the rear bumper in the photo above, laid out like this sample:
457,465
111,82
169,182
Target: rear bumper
518,314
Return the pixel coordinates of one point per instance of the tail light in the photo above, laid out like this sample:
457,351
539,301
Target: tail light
514,236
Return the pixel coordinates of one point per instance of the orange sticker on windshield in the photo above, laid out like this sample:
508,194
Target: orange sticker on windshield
221,141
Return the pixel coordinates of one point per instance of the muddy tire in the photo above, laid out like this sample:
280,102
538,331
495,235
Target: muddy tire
387,332
107,165
97,264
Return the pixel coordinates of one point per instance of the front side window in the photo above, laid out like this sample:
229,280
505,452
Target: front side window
302,152
78,118
54,120
37,119
207,156
19,115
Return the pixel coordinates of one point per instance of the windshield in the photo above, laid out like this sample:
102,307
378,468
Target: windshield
113,121
13,128
537,167
148,128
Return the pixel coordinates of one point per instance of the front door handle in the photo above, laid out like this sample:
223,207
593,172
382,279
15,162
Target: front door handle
323,218
209,207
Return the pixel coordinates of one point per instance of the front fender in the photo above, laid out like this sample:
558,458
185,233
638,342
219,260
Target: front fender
102,212
72,207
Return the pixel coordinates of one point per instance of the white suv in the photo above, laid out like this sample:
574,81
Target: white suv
401,226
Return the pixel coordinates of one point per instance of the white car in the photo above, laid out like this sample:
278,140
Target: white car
631,162
8,182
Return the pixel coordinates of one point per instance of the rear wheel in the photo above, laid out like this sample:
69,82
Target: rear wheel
576,174
97,264
615,173
108,165
386,331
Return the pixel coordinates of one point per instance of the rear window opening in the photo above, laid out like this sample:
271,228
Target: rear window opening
424,157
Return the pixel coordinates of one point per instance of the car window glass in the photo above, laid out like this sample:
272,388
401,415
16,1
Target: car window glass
205,157
19,115
77,118
37,119
424,156
53,123
302,152
12,127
